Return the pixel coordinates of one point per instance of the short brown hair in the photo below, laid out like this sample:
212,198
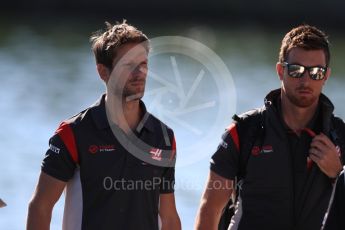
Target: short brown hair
306,37
105,44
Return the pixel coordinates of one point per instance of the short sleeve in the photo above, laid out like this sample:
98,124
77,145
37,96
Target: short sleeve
225,161
58,161
168,180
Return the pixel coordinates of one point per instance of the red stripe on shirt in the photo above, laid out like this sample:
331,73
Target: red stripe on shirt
234,135
173,148
66,134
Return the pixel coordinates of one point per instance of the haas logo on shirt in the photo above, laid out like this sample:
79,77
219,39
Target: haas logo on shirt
156,154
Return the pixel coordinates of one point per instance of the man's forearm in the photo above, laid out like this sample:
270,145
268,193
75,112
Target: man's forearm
47,193
171,221
207,218
38,218
171,224
213,201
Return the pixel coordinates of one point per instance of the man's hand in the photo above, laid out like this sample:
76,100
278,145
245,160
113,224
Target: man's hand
324,153
2,204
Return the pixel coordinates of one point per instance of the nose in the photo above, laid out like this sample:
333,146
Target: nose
140,70
306,77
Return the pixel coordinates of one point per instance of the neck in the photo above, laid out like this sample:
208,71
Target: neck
296,117
125,114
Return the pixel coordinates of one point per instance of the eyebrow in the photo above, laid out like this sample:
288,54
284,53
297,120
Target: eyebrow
130,62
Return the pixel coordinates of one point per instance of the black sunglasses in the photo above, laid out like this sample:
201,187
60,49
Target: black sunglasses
297,71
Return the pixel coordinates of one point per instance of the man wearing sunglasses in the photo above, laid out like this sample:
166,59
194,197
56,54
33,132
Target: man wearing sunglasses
286,176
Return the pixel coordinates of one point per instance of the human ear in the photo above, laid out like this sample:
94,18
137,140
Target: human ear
328,75
280,71
103,72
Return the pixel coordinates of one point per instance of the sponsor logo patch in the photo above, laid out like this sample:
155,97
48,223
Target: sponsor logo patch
101,148
256,150
224,144
267,149
54,149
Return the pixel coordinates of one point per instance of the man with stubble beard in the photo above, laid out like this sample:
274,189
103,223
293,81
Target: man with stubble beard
286,176
115,160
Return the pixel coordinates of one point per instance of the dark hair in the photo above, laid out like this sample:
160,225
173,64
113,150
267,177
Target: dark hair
105,44
306,37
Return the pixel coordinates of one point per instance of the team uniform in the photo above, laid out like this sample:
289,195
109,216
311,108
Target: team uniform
108,186
282,188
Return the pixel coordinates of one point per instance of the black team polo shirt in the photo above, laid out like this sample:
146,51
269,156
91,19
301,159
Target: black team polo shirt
107,186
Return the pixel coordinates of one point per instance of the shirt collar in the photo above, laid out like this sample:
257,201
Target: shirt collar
311,124
100,117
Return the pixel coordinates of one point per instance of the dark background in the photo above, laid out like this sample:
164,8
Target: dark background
270,13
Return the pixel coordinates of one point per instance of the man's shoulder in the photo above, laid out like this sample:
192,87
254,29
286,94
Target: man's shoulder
338,125
79,119
338,119
250,116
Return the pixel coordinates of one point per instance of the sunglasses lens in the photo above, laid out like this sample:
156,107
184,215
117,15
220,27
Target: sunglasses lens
295,71
317,73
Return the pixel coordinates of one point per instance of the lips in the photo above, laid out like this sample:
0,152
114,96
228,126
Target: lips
304,91
137,83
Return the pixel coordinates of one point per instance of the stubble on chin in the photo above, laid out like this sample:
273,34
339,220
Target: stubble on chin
133,97
301,101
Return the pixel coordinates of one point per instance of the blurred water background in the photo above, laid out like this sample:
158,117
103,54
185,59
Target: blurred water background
47,74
